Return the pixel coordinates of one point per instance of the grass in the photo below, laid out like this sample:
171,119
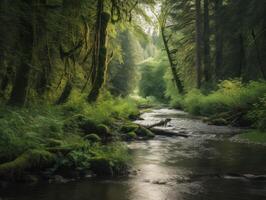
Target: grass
254,136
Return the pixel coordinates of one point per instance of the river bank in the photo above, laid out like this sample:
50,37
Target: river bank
64,143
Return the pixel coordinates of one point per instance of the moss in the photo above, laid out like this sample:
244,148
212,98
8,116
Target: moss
144,133
129,127
131,136
29,159
92,138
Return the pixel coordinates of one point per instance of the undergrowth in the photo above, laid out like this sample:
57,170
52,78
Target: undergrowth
232,99
43,128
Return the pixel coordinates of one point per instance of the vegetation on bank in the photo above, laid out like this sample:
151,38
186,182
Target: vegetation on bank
233,102
59,139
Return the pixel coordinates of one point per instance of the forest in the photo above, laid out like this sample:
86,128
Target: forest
87,87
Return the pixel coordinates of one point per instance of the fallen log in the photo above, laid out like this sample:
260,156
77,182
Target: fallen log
160,123
169,133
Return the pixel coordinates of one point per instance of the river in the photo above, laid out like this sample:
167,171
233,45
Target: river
205,166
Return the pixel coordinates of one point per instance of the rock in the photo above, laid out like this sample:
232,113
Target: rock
255,177
131,136
31,179
144,133
101,167
133,172
60,179
218,122
159,182
129,127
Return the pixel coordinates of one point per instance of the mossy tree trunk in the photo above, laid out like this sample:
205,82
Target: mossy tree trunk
177,80
20,87
99,52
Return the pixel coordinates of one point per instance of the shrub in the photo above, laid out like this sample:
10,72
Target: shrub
246,102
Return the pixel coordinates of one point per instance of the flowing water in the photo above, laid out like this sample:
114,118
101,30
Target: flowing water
204,166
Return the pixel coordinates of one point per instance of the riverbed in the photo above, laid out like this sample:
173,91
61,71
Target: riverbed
206,165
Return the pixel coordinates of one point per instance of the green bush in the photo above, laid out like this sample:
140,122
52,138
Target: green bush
245,101
152,82
258,114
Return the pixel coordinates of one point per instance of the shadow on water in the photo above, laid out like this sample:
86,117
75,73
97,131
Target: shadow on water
200,167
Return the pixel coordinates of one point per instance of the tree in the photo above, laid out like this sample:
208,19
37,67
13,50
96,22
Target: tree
198,40
171,53
99,51
20,88
206,37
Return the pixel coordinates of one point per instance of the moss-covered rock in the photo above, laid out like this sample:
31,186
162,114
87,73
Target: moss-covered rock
129,127
144,133
30,159
131,136
92,138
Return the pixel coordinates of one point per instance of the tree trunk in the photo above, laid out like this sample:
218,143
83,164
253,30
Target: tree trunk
100,52
198,42
242,55
258,54
42,47
206,34
218,38
19,91
66,93
177,80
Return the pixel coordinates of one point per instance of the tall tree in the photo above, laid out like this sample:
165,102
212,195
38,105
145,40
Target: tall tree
206,38
99,51
171,52
20,87
218,6
198,36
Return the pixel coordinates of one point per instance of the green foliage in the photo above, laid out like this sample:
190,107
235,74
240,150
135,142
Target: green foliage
151,82
258,114
110,160
103,111
41,127
233,97
123,75
92,138
27,128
